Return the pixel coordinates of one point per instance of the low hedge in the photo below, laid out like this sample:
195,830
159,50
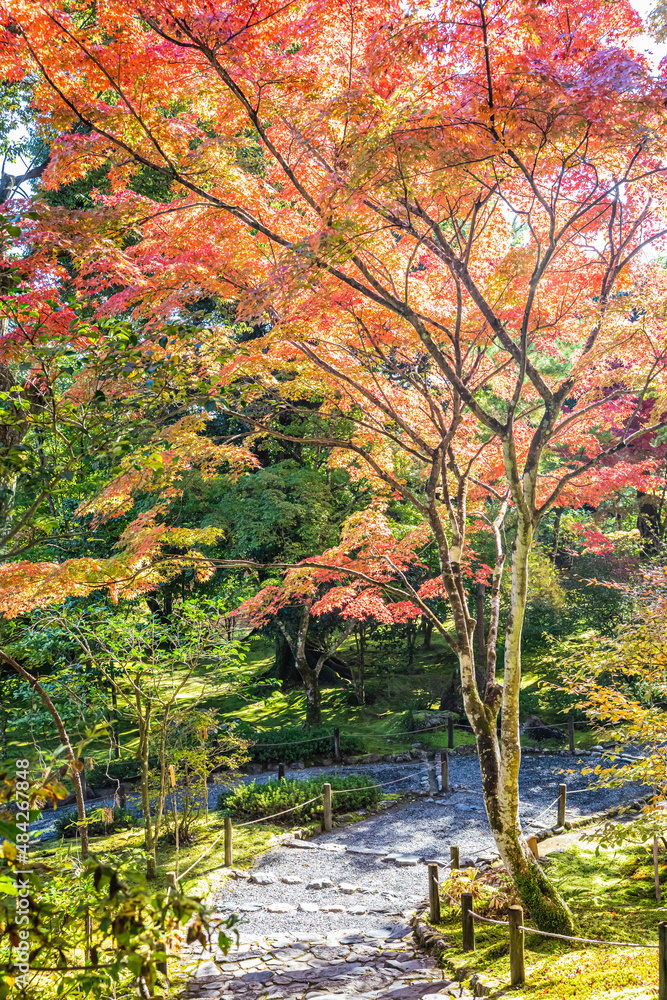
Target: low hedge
293,743
252,801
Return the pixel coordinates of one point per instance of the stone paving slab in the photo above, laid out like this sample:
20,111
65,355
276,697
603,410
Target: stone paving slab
383,965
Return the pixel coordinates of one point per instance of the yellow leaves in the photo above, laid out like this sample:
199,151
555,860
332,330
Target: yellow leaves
9,851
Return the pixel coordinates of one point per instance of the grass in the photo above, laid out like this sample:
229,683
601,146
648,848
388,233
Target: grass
611,895
248,843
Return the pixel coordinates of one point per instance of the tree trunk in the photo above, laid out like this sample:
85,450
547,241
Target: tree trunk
313,695
427,627
310,677
500,763
144,725
62,732
285,669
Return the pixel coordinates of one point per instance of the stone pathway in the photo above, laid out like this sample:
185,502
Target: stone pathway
328,918
373,965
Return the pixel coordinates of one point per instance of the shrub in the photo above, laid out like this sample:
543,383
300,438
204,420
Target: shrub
493,891
294,743
253,801
65,825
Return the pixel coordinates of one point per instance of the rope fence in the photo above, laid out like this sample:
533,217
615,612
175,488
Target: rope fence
449,724
227,832
515,924
326,796
517,929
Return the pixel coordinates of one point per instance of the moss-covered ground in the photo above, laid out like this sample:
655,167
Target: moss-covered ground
396,691
612,897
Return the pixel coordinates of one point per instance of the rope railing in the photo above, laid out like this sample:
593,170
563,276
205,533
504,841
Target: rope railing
327,795
449,724
580,940
517,929
265,819
251,822
560,937
283,812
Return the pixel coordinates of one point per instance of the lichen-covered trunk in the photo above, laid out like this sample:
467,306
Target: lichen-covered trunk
500,762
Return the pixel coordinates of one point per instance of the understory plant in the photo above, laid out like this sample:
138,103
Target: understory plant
253,800
94,928
149,661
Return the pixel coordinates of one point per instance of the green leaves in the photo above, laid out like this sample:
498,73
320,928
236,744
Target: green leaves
252,801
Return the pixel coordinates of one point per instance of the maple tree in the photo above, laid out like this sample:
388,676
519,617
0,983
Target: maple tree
316,593
441,216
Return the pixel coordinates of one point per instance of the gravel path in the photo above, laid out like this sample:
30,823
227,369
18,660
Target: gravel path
328,919
417,831
538,785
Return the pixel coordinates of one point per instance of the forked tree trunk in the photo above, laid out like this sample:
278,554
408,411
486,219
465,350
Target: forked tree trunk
310,677
499,762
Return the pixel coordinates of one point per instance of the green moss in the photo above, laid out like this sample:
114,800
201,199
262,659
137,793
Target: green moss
542,900
612,897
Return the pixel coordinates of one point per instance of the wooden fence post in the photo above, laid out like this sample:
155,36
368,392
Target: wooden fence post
517,965
450,731
467,922
228,842
662,960
532,843
454,855
432,779
570,729
281,772
328,823
444,770
336,743
562,799
433,893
